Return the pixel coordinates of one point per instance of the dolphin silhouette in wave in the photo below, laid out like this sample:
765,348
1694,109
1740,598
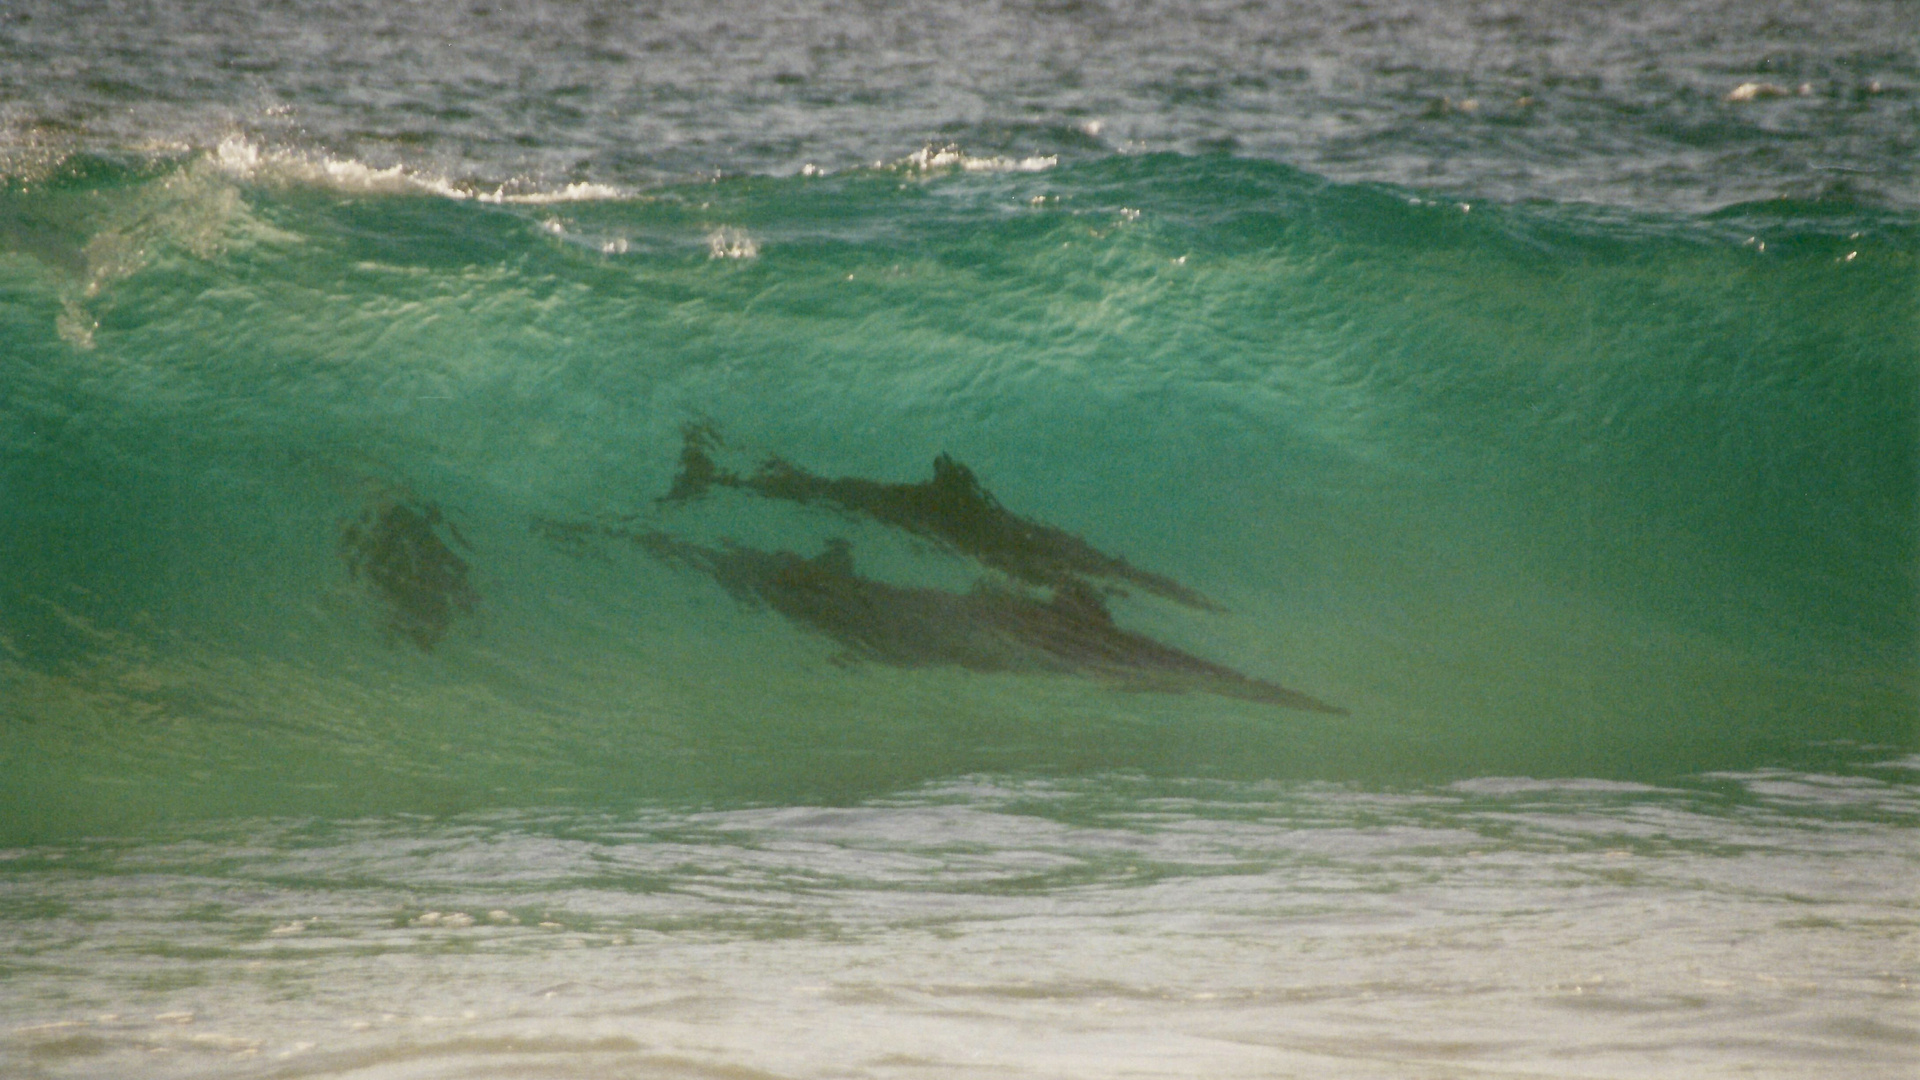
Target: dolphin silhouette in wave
988,629
952,509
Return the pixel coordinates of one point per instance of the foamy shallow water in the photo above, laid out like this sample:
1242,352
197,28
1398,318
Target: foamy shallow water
1754,924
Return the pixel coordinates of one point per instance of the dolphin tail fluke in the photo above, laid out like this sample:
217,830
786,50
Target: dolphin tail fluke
697,469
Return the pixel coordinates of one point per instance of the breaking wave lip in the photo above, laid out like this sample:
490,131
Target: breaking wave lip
947,157
245,160
931,158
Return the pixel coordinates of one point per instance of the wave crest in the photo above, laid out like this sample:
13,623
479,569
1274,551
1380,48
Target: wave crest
930,158
245,160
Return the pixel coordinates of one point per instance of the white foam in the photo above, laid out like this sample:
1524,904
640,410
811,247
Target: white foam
731,243
580,192
1756,91
1519,785
930,158
242,159
246,161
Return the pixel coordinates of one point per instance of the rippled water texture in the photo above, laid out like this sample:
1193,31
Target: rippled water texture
1621,103
333,493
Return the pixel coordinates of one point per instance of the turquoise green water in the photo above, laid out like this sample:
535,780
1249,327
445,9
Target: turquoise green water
1528,488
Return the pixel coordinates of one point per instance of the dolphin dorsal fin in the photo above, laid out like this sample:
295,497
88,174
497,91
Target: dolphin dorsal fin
837,559
955,482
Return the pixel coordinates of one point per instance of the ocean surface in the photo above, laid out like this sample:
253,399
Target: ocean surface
936,540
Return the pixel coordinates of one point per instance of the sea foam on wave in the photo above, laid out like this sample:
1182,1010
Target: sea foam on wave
930,158
242,159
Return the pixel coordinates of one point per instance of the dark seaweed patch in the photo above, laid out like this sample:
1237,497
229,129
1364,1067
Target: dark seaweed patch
396,548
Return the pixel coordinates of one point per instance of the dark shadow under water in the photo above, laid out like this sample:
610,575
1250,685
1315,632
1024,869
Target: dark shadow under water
422,583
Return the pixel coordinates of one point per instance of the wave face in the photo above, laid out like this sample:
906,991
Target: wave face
1535,488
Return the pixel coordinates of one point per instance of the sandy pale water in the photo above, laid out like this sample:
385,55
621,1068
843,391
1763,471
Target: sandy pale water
1117,926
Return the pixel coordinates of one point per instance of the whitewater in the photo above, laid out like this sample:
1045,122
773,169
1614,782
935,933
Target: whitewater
1063,540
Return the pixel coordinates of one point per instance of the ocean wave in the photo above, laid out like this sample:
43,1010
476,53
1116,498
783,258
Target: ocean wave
1533,495
246,160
